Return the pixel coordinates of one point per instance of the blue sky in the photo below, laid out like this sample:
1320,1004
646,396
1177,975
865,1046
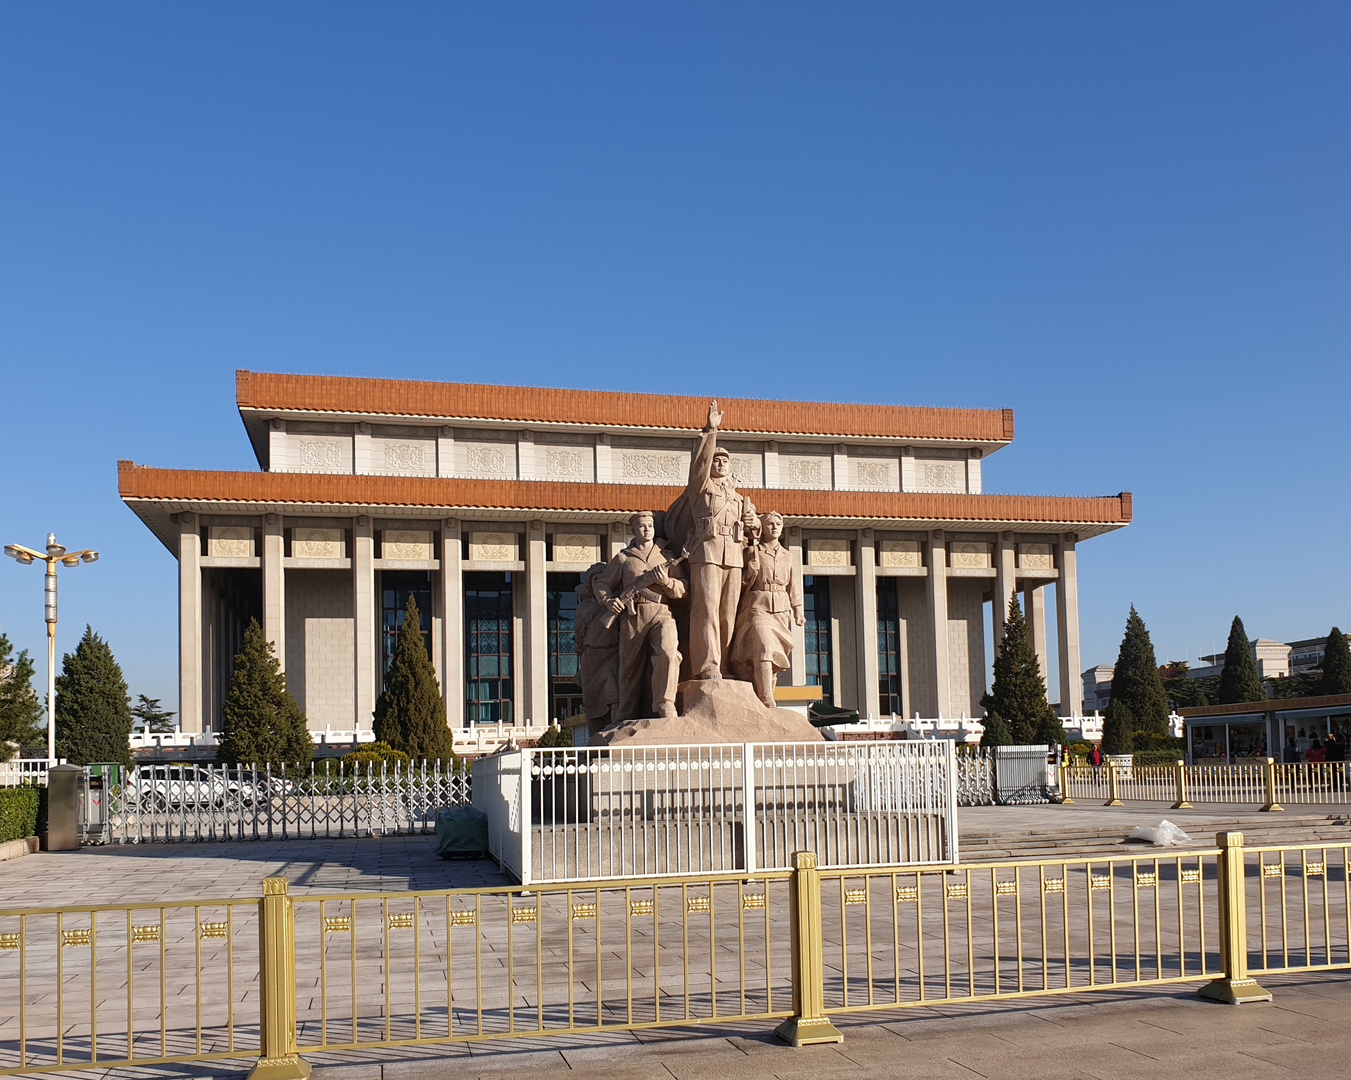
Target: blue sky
1128,222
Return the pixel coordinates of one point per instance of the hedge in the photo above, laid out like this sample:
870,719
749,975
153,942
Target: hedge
19,812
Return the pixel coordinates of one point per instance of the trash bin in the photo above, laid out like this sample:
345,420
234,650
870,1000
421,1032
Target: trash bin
63,808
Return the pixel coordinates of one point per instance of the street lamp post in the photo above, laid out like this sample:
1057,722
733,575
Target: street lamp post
55,554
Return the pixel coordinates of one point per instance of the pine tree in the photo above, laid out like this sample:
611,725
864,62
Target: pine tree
153,718
997,732
1139,701
1018,694
410,714
1336,665
20,707
263,723
1239,680
93,712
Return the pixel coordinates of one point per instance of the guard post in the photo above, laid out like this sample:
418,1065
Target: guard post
1236,987
808,1024
279,1059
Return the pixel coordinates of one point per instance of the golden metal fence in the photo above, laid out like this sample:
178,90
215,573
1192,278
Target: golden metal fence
101,986
1267,784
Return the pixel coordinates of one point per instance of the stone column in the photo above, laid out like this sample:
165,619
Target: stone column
445,452
525,456
1005,584
452,621
1067,627
771,464
617,537
938,620
840,467
1034,603
973,470
274,585
276,446
797,663
865,582
363,619
536,614
189,623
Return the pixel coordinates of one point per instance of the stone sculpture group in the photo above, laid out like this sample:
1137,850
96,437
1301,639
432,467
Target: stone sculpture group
706,583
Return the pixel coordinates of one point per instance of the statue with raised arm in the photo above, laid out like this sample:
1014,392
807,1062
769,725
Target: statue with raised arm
771,604
719,518
634,588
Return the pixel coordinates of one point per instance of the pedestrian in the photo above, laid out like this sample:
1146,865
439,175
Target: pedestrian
1290,755
1315,751
1095,757
1334,753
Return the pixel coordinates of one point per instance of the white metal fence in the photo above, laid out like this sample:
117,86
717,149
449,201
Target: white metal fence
212,802
19,771
600,813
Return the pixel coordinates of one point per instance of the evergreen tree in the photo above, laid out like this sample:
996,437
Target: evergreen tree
410,714
1336,665
263,723
1139,701
1118,729
1239,680
997,732
20,707
93,712
154,719
1018,694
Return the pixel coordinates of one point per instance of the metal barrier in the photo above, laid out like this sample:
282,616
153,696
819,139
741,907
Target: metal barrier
1267,784
96,987
157,803
597,813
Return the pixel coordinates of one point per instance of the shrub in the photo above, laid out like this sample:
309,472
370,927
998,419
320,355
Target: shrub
555,735
18,812
374,754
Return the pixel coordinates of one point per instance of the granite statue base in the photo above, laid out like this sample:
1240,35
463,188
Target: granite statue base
714,711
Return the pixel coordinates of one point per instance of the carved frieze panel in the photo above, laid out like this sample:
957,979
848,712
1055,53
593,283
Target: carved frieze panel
876,473
576,547
565,462
318,453
317,543
828,553
406,544
653,467
229,542
1035,557
492,547
796,471
940,475
899,553
971,555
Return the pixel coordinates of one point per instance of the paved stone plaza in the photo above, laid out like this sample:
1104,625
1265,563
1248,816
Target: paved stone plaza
1156,1032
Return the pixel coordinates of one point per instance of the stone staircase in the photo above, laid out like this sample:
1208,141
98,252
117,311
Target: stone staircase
1071,841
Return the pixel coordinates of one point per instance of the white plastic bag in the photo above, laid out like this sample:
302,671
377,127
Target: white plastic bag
1165,834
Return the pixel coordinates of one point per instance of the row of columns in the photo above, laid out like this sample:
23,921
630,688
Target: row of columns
532,681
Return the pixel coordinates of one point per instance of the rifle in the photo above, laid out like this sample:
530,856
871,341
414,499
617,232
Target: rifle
646,578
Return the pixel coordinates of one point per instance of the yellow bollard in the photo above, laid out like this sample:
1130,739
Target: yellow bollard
1269,776
1180,778
277,999
808,1024
1112,798
1236,987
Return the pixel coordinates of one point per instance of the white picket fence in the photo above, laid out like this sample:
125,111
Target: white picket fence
157,803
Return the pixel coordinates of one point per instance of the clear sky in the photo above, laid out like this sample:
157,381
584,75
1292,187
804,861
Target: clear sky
1128,222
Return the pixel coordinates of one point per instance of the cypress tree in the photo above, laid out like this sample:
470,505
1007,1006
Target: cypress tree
20,708
93,711
1239,680
1018,694
997,731
1139,701
263,723
1336,665
410,714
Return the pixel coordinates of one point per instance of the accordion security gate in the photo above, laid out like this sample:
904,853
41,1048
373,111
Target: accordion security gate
157,803
593,814
106,985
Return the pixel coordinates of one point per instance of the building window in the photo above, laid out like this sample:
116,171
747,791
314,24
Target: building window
888,648
565,694
488,686
816,607
396,586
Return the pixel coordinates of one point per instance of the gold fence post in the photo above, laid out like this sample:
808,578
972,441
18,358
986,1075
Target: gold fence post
1180,777
1269,776
808,1024
1064,776
1236,987
278,1059
1112,797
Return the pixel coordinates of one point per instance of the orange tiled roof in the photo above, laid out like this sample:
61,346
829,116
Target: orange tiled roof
538,405
345,489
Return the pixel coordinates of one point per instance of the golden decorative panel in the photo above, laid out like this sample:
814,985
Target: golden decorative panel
148,932
696,904
1272,869
75,937
1100,881
1147,881
642,907
214,929
752,901
1313,869
907,894
9,941
463,918
524,914
401,920
1008,887
337,924
583,911
1053,885
855,896
957,892
1191,877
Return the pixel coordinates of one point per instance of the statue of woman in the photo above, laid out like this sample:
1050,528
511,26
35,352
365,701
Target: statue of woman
771,602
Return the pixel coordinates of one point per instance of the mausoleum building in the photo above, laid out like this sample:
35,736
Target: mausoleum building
486,503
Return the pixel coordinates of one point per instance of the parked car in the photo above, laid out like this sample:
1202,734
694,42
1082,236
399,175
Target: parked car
163,787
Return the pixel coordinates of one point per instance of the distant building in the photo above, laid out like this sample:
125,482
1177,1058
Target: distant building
1273,660
1306,657
1097,687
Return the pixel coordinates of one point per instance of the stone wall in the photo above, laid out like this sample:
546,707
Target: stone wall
319,633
